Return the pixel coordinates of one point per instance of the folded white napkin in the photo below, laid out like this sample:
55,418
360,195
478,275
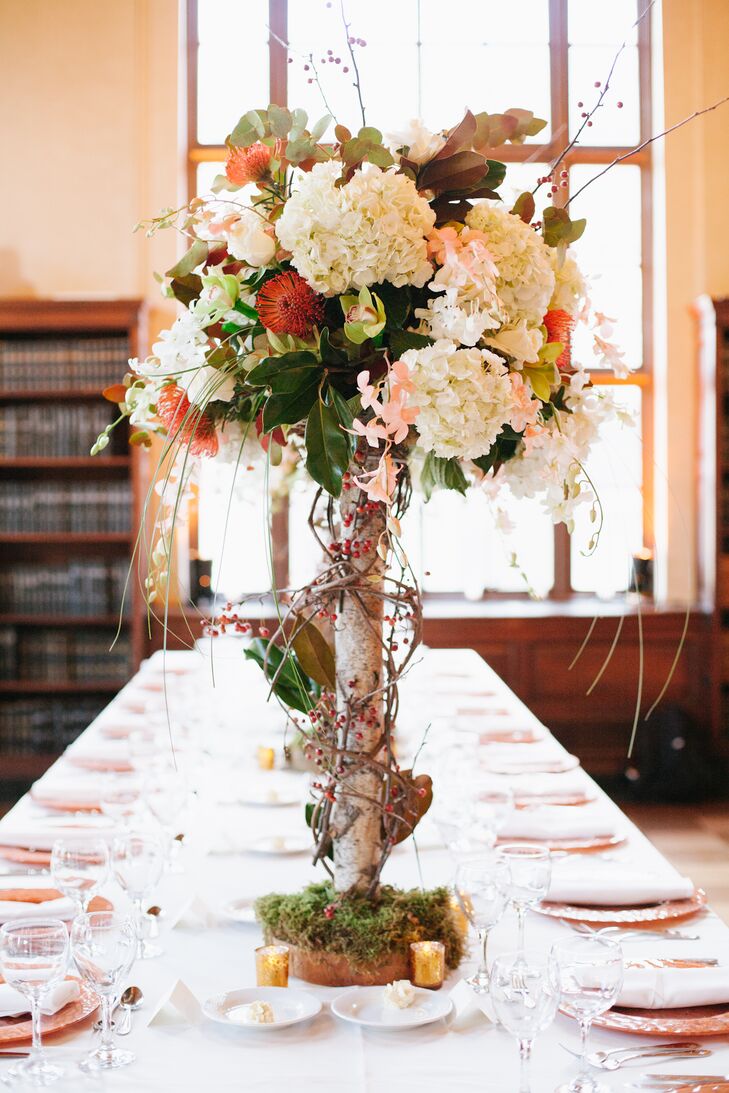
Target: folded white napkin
538,756
554,822
671,988
42,836
611,884
59,791
14,1004
568,783
62,908
178,1005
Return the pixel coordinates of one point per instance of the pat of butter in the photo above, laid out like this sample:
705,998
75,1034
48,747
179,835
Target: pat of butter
400,994
257,1013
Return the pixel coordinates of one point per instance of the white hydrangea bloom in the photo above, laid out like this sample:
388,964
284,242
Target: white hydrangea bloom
525,281
466,276
570,287
464,397
372,229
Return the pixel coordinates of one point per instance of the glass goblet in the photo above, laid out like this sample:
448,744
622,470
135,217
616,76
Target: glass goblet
103,945
79,866
138,862
34,958
525,996
481,891
530,871
493,807
120,799
590,972
166,795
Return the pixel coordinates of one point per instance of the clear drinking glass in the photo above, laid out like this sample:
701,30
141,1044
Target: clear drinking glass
138,862
166,795
481,887
493,808
34,958
103,945
590,974
119,799
79,866
525,996
530,871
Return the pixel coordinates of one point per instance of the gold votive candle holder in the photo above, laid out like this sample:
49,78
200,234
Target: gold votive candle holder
272,966
266,758
427,964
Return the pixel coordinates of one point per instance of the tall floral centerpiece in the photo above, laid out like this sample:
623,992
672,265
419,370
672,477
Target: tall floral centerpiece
368,311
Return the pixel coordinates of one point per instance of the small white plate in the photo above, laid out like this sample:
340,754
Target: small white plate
366,1006
289,1007
275,794
279,845
239,910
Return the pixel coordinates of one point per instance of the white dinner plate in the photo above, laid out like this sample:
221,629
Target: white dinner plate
239,910
366,1006
289,1007
279,845
273,794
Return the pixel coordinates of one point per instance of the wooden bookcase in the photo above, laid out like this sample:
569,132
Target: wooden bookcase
713,502
67,519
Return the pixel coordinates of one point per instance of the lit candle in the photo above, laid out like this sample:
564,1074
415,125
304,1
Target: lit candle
427,964
272,966
266,758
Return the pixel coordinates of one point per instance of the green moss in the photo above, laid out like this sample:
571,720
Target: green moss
364,930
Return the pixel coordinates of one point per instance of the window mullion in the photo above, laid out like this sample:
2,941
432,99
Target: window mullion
277,51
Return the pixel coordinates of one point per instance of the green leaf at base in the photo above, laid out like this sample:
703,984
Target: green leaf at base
442,474
327,447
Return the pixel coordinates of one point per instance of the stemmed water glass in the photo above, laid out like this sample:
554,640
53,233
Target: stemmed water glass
530,871
79,866
525,996
481,891
138,861
34,958
103,945
120,799
590,974
166,794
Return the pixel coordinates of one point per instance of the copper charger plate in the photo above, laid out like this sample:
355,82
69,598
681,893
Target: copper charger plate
549,766
568,846
689,1022
44,895
17,1030
571,800
509,736
117,766
58,805
648,914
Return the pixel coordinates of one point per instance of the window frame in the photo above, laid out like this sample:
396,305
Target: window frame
597,155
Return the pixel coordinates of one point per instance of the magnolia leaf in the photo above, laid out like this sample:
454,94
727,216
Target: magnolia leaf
461,136
186,289
116,393
291,407
524,207
442,474
315,655
402,340
192,258
411,804
458,172
327,447
264,374
293,687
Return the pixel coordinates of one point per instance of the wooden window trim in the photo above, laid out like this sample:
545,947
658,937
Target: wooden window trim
198,153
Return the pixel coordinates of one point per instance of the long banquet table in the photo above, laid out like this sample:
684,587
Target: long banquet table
209,954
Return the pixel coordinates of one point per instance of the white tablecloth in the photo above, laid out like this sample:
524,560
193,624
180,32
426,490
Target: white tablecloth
326,1055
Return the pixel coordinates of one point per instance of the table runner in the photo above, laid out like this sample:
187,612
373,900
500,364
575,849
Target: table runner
325,1054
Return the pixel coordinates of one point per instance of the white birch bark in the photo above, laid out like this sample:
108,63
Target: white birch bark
357,817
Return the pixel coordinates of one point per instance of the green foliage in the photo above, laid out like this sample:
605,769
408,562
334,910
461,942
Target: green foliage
315,655
285,374
293,687
367,145
186,288
365,931
328,447
441,474
558,229
514,126
290,407
402,340
194,257
504,448
524,207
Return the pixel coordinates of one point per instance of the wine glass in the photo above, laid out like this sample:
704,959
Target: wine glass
525,996
103,945
79,866
166,794
138,861
120,799
590,974
530,871
493,807
34,958
481,890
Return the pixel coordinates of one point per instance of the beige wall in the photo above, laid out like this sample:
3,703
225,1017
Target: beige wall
89,122
89,111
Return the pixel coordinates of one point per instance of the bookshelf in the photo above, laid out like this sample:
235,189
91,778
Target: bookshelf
67,523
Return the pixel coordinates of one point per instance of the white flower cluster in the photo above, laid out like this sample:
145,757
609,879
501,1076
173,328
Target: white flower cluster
570,287
466,276
419,143
525,281
551,465
371,229
464,397
180,350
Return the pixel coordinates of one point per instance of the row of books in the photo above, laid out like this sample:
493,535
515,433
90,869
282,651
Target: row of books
62,363
89,587
64,655
62,506
62,429
45,725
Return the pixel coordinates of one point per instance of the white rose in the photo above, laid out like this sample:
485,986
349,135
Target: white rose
248,240
420,143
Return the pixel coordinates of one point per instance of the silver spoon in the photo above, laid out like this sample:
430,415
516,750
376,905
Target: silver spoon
130,1001
613,1060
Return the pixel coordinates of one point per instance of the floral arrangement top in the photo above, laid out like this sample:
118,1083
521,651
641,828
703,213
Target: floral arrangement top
372,296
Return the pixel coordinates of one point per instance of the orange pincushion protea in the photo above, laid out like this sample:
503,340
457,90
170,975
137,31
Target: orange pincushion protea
560,326
248,164
288,305
194,428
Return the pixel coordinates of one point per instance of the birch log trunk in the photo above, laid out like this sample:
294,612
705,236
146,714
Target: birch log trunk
357,819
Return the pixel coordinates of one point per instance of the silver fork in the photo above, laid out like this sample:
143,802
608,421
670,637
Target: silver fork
626,932
519,986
